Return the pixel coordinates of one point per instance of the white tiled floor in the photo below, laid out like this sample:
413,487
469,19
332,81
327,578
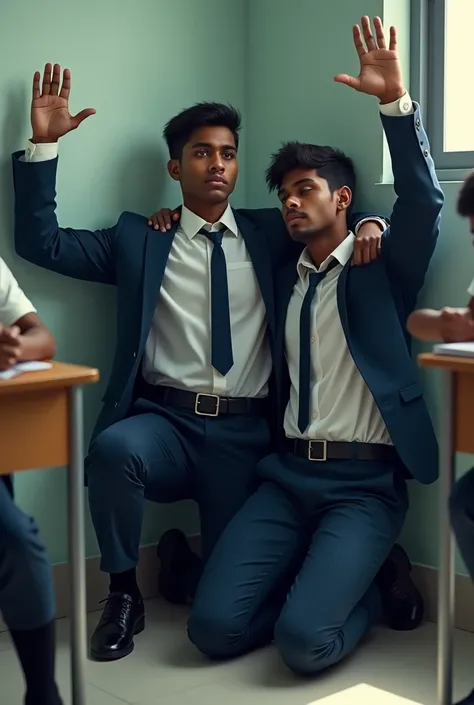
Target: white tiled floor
391,668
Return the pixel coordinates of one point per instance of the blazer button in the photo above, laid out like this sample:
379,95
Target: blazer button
116,405
134,355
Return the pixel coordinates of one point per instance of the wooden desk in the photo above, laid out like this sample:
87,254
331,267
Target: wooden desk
457,409
41,425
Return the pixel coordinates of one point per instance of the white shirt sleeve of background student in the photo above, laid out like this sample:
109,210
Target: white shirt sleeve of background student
470,290
13,302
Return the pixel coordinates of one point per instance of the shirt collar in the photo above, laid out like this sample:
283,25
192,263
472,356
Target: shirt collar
191,223
342,254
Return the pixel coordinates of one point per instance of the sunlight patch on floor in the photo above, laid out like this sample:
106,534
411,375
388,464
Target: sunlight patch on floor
363,694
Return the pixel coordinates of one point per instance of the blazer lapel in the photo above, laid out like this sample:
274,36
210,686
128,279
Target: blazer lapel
256,245
285,282
156,253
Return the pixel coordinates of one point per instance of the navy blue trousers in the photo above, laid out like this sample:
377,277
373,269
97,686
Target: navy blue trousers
166,455
298,562
26,583
462,518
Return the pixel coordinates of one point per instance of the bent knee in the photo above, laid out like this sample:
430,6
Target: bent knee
217,636
111,452
305,651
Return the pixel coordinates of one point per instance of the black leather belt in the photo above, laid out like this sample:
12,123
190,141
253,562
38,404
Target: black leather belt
320,451
202,404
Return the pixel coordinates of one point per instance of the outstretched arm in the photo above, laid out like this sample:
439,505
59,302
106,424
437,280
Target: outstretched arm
409,243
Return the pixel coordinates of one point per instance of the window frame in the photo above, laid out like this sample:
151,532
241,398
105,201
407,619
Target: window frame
427,50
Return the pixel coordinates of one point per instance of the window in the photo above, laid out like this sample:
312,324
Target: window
443,79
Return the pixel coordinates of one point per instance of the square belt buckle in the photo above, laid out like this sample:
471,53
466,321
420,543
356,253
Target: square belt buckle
318,451
200,399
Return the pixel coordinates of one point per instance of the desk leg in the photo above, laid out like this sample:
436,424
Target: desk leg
446,567
77,556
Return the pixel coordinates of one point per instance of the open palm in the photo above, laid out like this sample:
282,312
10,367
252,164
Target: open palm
50,116
380,69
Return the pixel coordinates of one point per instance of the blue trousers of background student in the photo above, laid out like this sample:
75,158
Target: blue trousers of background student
166,455
298,562
462,518
26,584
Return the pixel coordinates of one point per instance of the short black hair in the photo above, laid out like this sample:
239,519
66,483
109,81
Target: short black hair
466,197
331,164
179,129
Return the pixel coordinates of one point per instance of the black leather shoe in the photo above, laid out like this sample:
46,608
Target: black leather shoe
179,568
467,701
402,602
122,618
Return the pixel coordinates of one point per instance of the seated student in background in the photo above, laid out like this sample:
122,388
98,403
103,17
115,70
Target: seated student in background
26,583
310,559
185,413
454,325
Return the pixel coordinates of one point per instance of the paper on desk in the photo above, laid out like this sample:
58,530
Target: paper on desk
32,366
456,349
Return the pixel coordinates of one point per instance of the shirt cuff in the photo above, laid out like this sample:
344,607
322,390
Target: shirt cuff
470,290
401,107
380,221
43,152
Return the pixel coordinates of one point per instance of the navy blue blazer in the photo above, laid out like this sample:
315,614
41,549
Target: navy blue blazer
375,300
133,257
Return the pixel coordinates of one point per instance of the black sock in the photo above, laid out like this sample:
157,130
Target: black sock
36,651
125,582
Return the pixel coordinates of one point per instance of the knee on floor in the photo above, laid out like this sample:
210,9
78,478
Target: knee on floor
301,649
215,635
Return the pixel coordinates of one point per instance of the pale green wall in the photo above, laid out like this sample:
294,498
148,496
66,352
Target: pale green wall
294,51
137,63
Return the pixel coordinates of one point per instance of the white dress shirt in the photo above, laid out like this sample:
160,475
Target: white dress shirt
178,349
342,407
470,290
13,302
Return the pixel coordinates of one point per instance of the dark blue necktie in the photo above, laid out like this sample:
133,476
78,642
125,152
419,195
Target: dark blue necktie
222,357
305,347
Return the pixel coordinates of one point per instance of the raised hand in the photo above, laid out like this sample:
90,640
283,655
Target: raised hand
50,116
380,69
